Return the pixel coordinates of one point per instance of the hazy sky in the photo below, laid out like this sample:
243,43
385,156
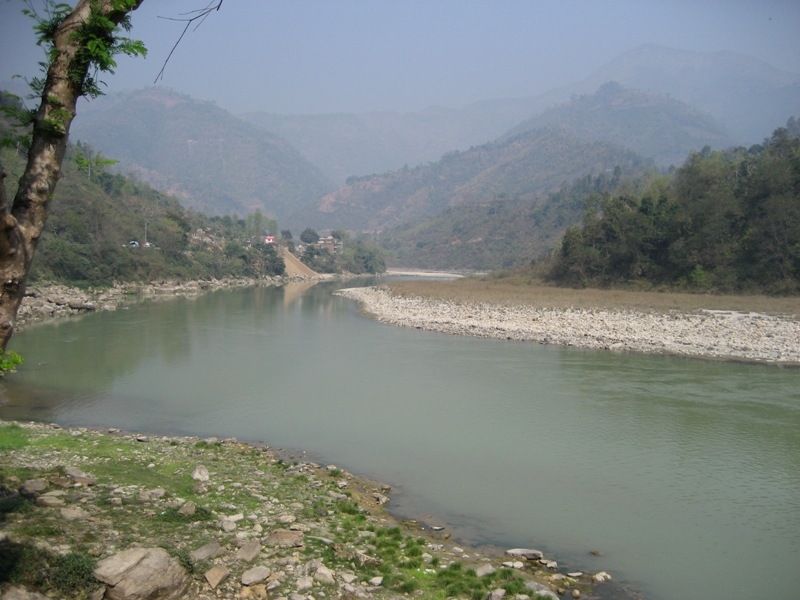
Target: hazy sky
322,56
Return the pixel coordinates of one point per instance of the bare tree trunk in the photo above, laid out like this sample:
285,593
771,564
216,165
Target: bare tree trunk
21,224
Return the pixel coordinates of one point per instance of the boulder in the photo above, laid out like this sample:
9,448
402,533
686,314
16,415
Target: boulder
17,592
527,553
200,474
248,551
142,574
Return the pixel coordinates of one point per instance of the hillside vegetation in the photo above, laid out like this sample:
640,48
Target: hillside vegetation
726,220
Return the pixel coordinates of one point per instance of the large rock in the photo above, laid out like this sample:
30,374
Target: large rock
142,574
20,593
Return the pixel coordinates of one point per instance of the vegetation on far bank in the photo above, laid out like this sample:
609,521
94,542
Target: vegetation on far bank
726,221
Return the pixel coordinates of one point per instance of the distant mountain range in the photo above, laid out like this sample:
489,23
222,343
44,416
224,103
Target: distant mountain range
745,96
208,158
406,173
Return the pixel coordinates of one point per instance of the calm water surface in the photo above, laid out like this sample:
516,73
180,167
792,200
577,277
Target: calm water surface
684,473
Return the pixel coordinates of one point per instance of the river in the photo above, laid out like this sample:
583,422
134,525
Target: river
683,475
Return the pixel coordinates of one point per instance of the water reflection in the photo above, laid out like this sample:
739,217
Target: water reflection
667,465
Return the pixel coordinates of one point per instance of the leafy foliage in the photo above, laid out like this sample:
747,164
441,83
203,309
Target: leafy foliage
726,220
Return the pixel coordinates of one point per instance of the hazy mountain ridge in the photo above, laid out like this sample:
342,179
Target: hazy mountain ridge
744,95
526,165
197,151
652,125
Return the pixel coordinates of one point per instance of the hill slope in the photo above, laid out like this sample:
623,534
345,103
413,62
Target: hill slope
650,124
198,152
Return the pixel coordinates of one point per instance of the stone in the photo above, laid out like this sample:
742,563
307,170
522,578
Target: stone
376,581
248,551
527,553
325,576
188,509
576,594
49,501
33,486
283,538
142,574
381,498
484,570
200,474
216,575
304,583
255,575
210,550
601,577
20,593
258,590
496,594
73,513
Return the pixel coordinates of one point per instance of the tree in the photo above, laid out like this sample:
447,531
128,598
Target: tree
309,236
80,43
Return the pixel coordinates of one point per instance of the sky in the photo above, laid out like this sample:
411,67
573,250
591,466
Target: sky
329,56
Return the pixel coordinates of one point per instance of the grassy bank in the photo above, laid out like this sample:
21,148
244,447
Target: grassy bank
108,491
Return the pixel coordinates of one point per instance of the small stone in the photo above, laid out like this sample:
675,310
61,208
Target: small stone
200,474
601,577
376,581
73,513
283,538
255,575
325,576
216,575
33,486
484,570
210,550
49,501
187,509
248,551
576,594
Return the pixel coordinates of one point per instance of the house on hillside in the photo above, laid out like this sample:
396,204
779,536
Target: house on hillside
269,239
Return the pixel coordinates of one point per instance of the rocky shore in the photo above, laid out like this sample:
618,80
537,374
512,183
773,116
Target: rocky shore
51,300
707,334
108,514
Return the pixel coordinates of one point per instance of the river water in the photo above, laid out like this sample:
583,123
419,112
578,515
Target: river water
684,474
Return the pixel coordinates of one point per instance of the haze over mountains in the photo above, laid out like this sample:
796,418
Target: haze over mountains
371,171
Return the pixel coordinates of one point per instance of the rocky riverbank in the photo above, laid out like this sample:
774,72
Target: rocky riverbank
51,300
108,514
708,334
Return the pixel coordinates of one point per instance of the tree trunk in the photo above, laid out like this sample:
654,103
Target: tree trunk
21,224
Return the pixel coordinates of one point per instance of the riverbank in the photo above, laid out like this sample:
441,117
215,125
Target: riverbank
709,333
44,301
88,514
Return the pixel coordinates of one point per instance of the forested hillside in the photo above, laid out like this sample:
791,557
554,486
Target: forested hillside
528,165
104,227
726,220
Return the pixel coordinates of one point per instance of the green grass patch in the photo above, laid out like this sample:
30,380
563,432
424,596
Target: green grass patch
12,437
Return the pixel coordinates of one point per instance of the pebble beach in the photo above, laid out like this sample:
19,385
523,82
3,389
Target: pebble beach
723,335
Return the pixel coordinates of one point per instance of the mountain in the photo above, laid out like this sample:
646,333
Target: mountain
652,125
745,96
200,153
524,166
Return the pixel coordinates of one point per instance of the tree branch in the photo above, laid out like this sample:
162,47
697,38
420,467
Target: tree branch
197,16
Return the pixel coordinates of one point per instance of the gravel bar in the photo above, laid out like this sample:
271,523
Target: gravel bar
752,337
